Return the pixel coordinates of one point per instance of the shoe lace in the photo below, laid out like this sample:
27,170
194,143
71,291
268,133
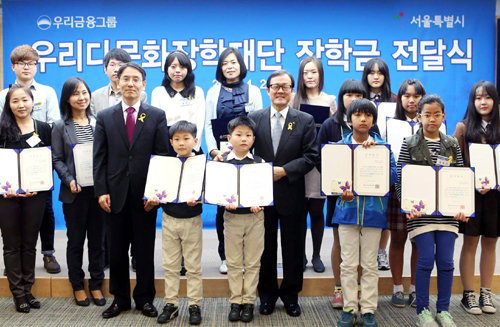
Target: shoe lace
471,300
446,317
399,295
426,316
382,258
486,298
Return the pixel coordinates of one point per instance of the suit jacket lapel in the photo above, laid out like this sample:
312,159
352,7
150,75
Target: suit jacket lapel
288,129
139,123
120,123
69,128
265,122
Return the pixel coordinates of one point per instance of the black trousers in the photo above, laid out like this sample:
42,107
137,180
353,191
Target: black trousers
48,226
84,220
293,229
132,225
219,225
20,220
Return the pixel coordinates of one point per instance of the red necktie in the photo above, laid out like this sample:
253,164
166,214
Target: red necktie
130,124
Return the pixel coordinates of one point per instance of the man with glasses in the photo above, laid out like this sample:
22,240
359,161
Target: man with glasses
24,61
287,138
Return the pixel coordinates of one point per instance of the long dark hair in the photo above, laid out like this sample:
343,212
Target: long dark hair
419,89
185,62
301,95
349,86
9,131
384,70
67,91
472,119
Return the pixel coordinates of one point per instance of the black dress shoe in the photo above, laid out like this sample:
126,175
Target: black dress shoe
266,308
149,310
83,303
113,311
22,305
32,301
99,302
293,309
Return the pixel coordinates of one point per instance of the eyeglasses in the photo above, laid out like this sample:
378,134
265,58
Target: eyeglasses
276,87
23,64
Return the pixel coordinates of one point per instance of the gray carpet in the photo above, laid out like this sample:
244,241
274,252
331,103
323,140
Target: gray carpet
316,311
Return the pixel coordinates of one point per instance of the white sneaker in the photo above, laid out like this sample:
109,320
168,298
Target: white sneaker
444,319
223,267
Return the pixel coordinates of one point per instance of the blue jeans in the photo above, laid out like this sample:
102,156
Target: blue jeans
434,246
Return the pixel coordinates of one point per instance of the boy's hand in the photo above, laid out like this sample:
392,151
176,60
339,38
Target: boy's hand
10,194
256,209
484,190
461,217
367,144
413,214
278,173
192,202
230,206
347,196
74,187
151,203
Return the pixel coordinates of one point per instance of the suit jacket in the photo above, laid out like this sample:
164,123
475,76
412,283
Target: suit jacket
120,166
297,153
63,139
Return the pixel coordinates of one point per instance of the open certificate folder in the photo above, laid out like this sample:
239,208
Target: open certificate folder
83,160
483,157
26,169
347,167
436,190
176,180
249,185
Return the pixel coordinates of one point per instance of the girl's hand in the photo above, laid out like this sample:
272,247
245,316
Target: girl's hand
74,187
10,194
151,203
347,196
484,190
367,144
413,214
192,202
256,209
230,206
461,217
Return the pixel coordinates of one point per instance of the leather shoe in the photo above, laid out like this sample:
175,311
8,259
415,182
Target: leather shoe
113,311
98,301
149,310
83,303
266,308
293,309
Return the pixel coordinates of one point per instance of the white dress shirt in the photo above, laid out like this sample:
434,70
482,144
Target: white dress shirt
283,113
126,106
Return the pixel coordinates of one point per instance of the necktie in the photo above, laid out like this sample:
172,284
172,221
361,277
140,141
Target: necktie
130,123
277,131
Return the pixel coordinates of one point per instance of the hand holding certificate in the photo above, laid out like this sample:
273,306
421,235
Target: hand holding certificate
483,159
82,155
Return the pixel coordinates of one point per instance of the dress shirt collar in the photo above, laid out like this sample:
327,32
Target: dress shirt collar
415,120
136,106
171,92
484,124
233,155
111,91
34,85
283,112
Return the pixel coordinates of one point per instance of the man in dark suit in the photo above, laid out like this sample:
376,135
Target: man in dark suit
126,135
286,137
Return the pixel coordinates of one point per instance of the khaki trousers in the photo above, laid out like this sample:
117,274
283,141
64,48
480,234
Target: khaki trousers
244,243
182,237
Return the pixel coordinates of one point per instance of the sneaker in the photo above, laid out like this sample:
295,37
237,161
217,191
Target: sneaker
425,319
223,267
398,300
369,320
347,319
469,303
444,319
235,313
247,312
338,300
412,297
170,311
318,265
194,314
51,265
485,302
382,260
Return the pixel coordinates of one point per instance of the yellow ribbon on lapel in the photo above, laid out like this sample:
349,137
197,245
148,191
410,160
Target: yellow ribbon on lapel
290,126
141,117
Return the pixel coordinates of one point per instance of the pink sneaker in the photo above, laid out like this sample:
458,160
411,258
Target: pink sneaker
338,300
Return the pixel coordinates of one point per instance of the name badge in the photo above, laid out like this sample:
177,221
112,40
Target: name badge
37,106
185,102
33,140
442,161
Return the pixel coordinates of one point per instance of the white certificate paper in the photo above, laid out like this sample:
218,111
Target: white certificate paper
83,158
456,191
36,169
336,169
482,159
372,170
221,183
193,174
9,172
163,178
397,130
256,185
384,110
418,189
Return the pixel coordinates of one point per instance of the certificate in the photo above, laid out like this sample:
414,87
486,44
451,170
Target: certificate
456,191
482,158
83,160
173,179
221,183
371,173
35,166
497,155
384,110
336,169
396,131
9,170
256,185
319,113
418,189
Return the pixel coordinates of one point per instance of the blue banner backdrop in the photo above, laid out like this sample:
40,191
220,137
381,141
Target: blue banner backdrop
448,45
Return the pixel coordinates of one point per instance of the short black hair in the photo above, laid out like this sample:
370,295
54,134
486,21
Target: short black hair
241,121
279,73
219,75
132,65
428,99
363,106
118,54
182,126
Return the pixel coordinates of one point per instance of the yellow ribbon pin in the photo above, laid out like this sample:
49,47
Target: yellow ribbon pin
450,159
141,117
35,134
290,126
